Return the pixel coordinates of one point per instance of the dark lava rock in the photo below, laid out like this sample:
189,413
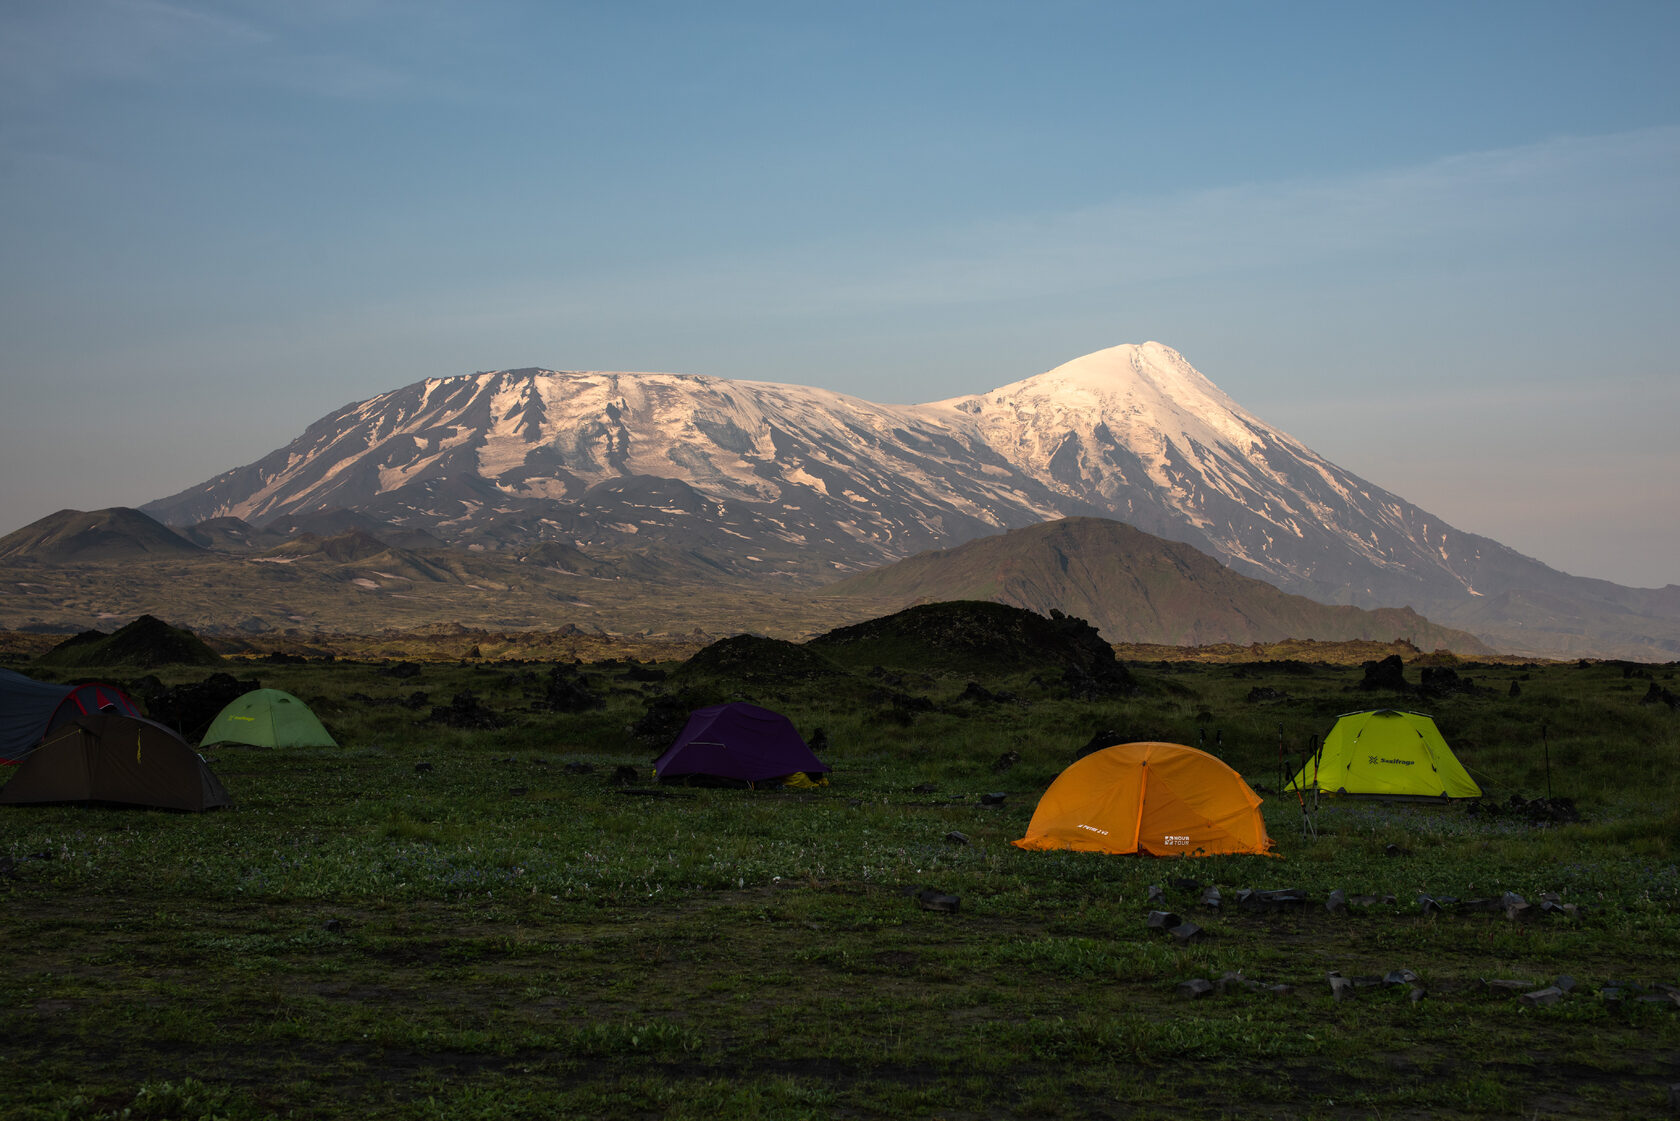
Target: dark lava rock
465,711
190,708
1443,681
1657,695
567,691
1388,674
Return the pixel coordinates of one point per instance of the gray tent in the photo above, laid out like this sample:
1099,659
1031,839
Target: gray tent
123,760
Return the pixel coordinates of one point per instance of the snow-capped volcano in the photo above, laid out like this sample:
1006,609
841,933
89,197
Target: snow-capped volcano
755,477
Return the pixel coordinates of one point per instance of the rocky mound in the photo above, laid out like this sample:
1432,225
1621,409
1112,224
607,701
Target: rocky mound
757,660
979,638
147,642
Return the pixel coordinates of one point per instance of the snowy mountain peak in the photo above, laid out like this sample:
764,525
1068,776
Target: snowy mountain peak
763,477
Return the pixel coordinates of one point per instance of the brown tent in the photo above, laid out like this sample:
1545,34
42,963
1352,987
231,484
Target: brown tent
105,757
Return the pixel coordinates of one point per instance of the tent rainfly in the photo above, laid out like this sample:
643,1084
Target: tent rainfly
1161,799
29,709
1386,753
741,743
267,718
123,760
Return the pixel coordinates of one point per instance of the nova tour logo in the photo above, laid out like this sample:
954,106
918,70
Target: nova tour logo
1175,839
1094,829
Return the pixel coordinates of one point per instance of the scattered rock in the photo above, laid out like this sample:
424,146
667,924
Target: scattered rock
995,799
1005,761
1276,900
931,900
1195,988
624,775
1399,977
1211,898
1162,920
957,838
1657,695
1186,933
924,788
1540,998
422,768
1341,988
1154,894
1336,904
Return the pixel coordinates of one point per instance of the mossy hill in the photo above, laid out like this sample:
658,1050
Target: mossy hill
1137,588
147,642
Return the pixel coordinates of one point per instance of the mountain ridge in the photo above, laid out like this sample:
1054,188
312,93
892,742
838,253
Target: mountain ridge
772,480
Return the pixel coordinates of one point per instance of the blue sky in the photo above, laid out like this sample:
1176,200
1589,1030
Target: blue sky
1439,243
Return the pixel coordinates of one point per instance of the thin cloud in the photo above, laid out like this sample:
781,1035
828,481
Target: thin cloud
51,50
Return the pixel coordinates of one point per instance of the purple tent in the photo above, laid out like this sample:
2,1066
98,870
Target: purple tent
737,741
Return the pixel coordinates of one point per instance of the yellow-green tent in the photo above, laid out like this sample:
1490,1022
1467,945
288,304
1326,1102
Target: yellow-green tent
1386,753
268,718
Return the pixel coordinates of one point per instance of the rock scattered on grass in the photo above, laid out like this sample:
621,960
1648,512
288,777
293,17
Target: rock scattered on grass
932,900
1195,988
1540,998
1186,933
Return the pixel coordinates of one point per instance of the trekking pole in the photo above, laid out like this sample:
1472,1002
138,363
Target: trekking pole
1548,748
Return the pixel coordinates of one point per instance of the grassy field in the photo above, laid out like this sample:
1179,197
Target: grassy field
447,924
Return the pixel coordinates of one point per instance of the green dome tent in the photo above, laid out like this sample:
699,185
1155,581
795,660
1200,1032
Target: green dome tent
1389,754
267,718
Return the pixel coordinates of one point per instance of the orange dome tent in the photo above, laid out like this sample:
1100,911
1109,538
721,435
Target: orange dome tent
1163,799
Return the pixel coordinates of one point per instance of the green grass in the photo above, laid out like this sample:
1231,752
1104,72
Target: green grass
499,937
